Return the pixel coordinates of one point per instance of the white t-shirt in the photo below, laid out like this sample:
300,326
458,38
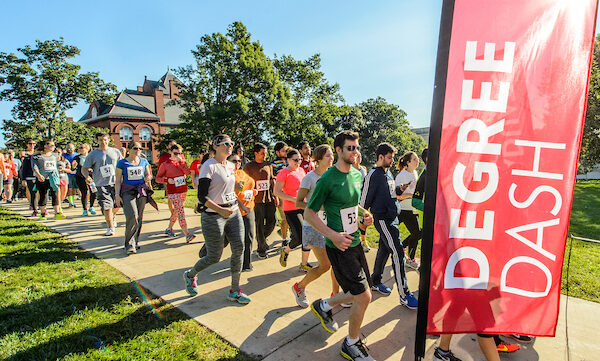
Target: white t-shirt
403,178
309,182
222,181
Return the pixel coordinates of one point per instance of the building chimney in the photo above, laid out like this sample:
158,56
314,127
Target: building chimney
159,104
69,119
173,90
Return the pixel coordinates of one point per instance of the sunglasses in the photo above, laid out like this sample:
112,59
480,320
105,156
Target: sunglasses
174,153
34,143
236,160
295,159
227,144
136,148
351,148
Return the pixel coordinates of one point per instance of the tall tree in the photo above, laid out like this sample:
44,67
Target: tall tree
43,84
385,122
590,145
232,88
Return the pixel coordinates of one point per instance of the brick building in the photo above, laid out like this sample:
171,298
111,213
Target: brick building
139,114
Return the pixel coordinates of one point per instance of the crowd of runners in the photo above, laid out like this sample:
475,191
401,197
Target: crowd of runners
323,207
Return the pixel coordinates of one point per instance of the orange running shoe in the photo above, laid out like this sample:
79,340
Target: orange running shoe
508,347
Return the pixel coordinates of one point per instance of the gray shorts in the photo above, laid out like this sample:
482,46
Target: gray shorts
311,237
105,196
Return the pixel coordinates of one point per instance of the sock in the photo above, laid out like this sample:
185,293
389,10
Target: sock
443,352
71,199
351,341
325,306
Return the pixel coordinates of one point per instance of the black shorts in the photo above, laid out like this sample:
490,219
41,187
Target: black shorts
350,268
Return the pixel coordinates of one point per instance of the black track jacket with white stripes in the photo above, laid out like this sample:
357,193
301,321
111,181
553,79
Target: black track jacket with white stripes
378,194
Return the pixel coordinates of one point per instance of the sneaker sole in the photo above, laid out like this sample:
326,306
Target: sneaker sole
520,341
237,300
346,356
299,305
312,308
383,293
407,306
185,279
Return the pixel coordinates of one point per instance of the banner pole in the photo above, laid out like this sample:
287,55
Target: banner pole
435,133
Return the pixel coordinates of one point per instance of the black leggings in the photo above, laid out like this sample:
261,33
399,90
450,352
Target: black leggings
44,188
84,188
32,193
411,222
294,219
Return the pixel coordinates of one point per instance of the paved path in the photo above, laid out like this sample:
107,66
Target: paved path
272,327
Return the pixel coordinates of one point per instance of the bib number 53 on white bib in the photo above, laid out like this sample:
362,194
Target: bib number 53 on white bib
350,219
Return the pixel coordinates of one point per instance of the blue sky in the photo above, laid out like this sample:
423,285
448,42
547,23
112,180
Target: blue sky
371,48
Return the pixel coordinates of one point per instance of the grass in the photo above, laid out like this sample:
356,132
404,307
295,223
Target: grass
584,270
59,302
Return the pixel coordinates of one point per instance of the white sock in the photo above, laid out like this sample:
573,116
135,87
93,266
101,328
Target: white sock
325,306
351,341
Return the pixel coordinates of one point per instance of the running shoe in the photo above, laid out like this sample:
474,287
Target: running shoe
92,211
84,213
262,255
521,338
366,248
115,223
169,232
34,214
507,347
305,267
247,269
109,232
190,237
357,351
283,257
300,294
326,318
190,283
71,205
381,288
59,216
42,216
239,297
439,355
130,250
410,301
412,263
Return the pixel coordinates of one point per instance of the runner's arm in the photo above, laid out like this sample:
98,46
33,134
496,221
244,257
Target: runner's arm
300,203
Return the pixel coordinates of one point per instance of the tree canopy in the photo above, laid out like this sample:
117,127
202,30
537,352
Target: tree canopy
590,145
43,84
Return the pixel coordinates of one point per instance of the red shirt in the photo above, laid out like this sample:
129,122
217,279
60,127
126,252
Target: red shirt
10,170
307,165
177,171
165,157
195,166
291,184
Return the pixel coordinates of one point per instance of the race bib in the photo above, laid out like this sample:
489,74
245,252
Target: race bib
229,197
262,185
50,165
248,195
179,181
349,219
322,216
392,187
135,173
107,171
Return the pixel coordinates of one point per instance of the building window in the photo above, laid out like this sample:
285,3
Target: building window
145,134
148,155
126,133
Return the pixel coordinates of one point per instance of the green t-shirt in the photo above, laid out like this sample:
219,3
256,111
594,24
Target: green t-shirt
338,193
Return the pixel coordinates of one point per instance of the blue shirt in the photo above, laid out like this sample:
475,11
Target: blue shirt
69,158
133,174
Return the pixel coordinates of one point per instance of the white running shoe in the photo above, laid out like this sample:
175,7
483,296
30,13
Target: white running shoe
110,232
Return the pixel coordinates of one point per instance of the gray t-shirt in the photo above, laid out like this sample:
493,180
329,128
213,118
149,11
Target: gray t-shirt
222,181
309,182
61,164
103,164
45,164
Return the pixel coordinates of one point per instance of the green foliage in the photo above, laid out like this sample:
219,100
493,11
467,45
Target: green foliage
590,145
44,85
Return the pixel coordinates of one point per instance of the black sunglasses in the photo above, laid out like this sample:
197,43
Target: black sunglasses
136,148
351,148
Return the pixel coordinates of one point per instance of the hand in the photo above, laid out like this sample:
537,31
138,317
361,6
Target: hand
342,241
89,180
367,221
239,186
41,178
118,200
244,208
179,158
226,212
170,181
148,178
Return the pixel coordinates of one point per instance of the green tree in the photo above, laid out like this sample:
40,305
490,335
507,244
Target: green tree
385,122
590,145
232,88
43,84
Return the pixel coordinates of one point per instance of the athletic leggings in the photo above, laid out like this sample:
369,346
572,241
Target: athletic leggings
84,188
44,188
294,219
32,193
389,243
411,222
178,199
214,229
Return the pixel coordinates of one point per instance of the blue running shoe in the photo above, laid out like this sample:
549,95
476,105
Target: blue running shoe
239,297
381,288
190,283
410,301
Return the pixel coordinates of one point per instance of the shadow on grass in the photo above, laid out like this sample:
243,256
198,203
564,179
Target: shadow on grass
43,252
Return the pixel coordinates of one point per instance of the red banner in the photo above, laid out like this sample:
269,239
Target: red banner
513,116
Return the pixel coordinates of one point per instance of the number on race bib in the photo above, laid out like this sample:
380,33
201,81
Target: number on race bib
135,173
350,219
392,188
50,165
322,216
262,185
179,181
229,197
248,195
107,171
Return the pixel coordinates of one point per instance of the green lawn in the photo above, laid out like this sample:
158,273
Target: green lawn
59,302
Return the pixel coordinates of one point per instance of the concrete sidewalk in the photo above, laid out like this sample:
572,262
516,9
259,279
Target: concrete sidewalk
272,327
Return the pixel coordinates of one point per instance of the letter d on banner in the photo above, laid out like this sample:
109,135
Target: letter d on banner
511,79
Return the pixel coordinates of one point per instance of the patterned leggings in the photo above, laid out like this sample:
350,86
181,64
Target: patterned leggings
178,199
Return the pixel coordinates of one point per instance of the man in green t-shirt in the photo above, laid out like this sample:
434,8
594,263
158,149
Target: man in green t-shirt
338,193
